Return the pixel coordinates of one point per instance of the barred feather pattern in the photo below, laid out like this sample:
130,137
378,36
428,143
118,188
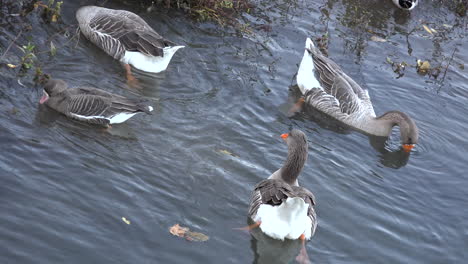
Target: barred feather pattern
117,31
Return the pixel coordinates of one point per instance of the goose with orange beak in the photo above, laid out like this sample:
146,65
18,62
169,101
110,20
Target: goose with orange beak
325,87
279,206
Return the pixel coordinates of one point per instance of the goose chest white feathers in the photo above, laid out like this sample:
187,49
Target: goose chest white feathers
126,37
327,88
278,204
91,105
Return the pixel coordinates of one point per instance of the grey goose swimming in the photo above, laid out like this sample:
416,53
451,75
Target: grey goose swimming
126,37
91,105
327,88
278,205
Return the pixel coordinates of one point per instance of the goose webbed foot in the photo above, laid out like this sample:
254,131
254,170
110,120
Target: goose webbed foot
297,107
131,80
303,258
249,227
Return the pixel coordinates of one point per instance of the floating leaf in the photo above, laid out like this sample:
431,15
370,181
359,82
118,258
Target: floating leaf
53,49
227,152
378,39
428,29
433,30
54,18
125,220
423,66
185,232
447,25
12,65
177,230
196,237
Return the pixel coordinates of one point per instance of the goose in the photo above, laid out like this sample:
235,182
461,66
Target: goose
90,105
278,205
327,88
126,37
406,4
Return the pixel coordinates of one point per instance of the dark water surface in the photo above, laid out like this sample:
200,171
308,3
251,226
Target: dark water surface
65,186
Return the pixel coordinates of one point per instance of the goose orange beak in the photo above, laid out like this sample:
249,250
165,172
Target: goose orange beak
285,135
408,147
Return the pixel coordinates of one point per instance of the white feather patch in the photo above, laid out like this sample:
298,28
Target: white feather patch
305,76
150,108
121,117
288,220
150,63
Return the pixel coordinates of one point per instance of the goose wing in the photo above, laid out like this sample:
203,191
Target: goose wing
121,31
337,87
309,198
269,191
96,104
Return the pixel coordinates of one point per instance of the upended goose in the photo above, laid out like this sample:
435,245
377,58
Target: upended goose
327,88
126,37
91,105
278,205
406,4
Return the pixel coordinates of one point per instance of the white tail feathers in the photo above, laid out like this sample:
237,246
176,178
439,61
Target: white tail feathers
288,220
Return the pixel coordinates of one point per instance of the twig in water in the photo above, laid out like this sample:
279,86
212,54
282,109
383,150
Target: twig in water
446,68
11,44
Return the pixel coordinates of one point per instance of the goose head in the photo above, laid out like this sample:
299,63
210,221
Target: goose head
51,88
406,4
297,155
409,134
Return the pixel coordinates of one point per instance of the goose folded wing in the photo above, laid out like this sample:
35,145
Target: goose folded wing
87,106
347,93
130,34
269,191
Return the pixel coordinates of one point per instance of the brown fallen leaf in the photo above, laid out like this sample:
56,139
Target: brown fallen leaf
177,230
185,232
423,66
196,237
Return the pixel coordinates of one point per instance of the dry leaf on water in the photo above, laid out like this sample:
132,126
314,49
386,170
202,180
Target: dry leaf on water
125,220
423,66
378,39
185,232
430,30
197,237
177,230
227,152
12,65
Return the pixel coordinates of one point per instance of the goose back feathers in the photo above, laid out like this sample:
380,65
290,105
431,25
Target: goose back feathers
91,105
122,33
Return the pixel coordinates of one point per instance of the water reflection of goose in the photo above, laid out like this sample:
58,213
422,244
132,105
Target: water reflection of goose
327,88
406,4
126,37
279,206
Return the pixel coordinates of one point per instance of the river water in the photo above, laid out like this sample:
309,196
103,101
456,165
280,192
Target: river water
219,110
